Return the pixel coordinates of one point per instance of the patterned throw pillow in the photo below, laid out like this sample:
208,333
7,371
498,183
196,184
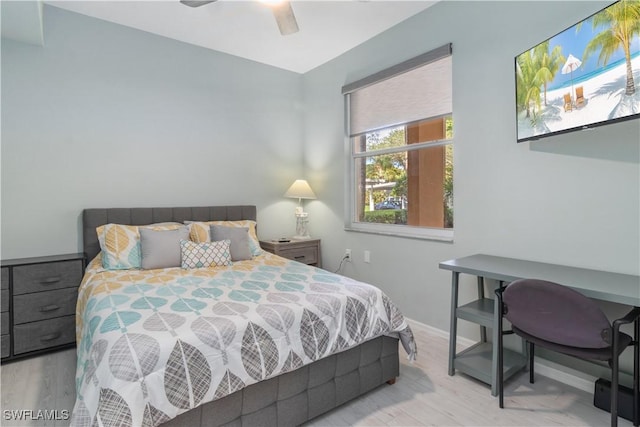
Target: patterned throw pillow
206,254
120,244
200,232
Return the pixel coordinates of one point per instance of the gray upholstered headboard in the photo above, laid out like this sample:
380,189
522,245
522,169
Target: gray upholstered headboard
92,218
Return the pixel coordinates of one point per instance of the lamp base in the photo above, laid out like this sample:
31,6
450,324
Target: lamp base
302,221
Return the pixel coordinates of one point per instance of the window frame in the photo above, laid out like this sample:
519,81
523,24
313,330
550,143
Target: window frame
351,184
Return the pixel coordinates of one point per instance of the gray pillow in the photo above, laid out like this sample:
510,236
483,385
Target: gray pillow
239,237
161,248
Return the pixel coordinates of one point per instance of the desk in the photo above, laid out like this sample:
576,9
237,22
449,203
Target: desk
479,361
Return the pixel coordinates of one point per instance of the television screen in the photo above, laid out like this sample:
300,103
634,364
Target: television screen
586,76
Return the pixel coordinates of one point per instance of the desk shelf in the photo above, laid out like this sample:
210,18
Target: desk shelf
476,361
479,311
480,360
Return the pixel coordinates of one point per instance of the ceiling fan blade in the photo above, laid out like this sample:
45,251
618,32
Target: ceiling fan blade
196,3
285,18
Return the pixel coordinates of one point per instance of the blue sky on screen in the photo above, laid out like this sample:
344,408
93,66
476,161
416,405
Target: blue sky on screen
574,42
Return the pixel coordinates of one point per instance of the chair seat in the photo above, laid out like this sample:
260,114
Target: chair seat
604,353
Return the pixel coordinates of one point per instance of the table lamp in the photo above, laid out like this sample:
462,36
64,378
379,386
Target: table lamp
300,189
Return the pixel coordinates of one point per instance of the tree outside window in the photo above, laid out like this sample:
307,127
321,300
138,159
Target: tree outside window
405,174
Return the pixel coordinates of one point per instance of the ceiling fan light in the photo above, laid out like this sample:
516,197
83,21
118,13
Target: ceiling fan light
282,11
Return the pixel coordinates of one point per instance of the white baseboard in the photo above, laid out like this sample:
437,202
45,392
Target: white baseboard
547,368
565,375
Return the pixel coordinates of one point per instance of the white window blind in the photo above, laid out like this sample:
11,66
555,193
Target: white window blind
414,90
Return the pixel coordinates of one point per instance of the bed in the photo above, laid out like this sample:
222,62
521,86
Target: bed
263,341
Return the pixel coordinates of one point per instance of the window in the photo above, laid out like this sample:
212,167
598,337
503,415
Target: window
400,133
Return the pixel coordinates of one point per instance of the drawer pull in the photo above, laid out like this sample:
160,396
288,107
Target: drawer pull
50,280
50,337
299,257
48,308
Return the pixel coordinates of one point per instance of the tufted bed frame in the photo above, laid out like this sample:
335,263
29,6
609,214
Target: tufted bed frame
286,400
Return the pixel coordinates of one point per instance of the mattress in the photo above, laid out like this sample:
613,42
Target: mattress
153,344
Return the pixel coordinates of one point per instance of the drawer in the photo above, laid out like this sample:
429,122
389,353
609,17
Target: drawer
4,300
6,345
4,323
303,255
44,305
4,279
48,276
44,334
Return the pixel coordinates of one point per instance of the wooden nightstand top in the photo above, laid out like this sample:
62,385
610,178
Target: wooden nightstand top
291,243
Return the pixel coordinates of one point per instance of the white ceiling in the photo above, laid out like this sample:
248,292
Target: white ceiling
249,30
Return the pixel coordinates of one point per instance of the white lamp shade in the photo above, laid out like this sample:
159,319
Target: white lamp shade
300,189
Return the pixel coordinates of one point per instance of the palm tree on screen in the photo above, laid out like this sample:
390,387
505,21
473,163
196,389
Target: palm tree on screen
528,82
549,64
622,22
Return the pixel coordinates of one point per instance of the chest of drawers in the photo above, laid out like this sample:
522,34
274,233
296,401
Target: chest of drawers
38,304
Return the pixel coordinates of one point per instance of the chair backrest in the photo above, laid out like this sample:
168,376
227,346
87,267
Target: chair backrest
556,313
579,92
567,98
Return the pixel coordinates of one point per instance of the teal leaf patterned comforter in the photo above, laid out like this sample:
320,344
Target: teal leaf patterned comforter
153,344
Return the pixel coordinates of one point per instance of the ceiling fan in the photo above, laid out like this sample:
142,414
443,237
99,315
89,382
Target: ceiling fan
282,11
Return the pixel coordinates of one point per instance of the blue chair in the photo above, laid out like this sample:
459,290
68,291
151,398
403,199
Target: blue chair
563,320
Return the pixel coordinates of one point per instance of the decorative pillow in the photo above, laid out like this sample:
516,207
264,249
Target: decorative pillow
161,248
200,232
206,254
120,244
239,237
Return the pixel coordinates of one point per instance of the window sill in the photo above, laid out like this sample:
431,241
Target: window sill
422,233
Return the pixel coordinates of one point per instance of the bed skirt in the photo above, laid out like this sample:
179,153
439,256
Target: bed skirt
301,395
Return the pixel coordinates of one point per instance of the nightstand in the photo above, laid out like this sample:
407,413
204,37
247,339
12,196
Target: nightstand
39,297
304,251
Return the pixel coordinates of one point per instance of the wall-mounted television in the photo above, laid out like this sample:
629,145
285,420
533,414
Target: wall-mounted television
586,76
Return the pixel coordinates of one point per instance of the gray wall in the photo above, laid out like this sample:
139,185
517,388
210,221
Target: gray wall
103,115
571,199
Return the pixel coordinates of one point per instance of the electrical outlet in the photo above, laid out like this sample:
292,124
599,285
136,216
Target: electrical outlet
347,254
367,256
